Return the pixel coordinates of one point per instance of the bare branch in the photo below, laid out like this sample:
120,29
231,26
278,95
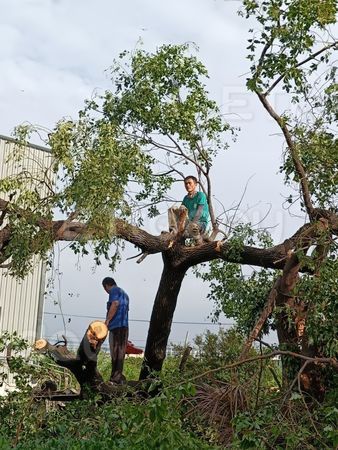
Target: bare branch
330,361
142,258
187,157
135,256
240,201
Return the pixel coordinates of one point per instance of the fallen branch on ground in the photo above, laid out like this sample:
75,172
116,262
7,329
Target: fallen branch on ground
331,361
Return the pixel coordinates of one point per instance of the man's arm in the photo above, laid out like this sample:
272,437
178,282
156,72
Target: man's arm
112,311
198,213
202,201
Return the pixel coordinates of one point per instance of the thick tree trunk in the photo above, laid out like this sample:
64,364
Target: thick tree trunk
287,339
314,378
161,319
287,318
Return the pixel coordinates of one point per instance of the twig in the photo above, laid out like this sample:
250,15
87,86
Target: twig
142,258
275,377
135,256
273,373
187,157
184,358
298,381
64,340
265,344
259,377
240,201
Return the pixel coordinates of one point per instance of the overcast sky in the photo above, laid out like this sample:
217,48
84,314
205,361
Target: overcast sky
54,54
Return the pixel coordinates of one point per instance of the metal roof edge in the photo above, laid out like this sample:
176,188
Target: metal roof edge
37,147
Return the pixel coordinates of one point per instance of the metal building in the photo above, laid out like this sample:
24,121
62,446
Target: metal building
21,301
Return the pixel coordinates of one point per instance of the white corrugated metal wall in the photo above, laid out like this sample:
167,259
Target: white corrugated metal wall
21,302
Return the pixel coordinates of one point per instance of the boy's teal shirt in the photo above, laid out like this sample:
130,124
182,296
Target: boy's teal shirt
192,203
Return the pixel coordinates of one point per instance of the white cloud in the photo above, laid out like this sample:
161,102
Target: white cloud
33,92
58,50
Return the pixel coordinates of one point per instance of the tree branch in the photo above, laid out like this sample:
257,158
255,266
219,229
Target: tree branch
122,229
281,288
273,257
294,155
185,257
63,227
331,361
2,216
309,58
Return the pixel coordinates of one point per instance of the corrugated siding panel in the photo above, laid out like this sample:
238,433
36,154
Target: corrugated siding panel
19,302
20,308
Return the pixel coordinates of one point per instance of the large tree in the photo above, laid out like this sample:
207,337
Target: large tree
119,159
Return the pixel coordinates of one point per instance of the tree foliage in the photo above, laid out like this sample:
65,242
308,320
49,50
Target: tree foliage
122,154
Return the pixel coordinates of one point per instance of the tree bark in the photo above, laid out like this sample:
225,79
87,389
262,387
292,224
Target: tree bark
161,318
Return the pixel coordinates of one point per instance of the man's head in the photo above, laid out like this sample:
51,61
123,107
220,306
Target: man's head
190,183
108,283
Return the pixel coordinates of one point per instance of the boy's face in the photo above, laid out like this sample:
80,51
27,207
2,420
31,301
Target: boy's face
190,185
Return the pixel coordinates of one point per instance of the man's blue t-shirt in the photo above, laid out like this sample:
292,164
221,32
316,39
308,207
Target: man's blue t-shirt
121,317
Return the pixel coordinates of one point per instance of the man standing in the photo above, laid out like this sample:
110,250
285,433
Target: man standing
117,323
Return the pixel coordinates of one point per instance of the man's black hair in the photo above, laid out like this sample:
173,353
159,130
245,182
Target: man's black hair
191,177
108,281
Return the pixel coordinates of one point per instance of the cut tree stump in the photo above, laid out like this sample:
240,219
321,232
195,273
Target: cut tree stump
83,365
41,344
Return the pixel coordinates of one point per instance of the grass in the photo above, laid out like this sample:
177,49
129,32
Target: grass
131,369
